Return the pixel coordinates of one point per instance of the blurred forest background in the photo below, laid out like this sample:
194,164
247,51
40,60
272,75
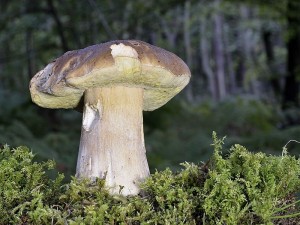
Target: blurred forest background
244,57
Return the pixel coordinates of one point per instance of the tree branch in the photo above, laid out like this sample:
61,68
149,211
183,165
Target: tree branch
103,20
59,25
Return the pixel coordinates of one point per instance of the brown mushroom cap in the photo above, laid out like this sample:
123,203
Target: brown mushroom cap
131,63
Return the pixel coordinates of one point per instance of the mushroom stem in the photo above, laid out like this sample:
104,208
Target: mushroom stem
112,139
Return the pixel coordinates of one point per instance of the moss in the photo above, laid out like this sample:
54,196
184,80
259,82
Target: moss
246,183
24,185
237,188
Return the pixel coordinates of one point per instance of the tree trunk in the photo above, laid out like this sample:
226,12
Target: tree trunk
171,36
28,44
60,28
205,59
219,52
291,89
232,86
274,78
187,46
249,81
102,20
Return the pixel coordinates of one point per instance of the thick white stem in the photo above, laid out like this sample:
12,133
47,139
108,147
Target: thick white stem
112,139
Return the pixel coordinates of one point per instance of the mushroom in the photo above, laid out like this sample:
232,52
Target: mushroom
115,81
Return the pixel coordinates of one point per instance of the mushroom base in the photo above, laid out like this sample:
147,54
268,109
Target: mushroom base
112,139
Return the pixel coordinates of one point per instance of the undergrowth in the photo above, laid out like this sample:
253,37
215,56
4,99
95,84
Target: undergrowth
237,188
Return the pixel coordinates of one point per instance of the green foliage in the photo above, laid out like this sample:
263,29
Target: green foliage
24,184
249,183
22,124
239,188
184,131
176,198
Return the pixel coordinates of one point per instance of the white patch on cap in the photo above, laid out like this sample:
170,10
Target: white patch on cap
123,50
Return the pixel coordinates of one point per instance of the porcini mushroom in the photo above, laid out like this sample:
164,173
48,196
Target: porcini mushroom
116,80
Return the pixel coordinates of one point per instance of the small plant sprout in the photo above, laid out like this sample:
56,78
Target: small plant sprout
115,81
284,149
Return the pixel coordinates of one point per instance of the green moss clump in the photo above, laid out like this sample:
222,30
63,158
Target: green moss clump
245,187
239,188
24,185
